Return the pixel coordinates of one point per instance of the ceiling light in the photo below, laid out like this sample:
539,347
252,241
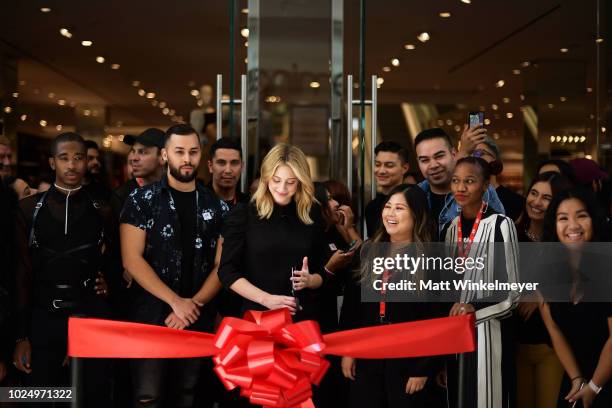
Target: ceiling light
582,139
72,104
86,43
395,62
45,9
522,97
506,100
445,14
15,94
599,40
23,117
171,112
409,46
194,92
42,123
564,139
525,64
494,107
564,50
142,92
115,66
380,81
244,32
135,84
245,11
315,84
516,71
162,104
588,156
423,37
100,60
51,95
8,109
500,83
59,128
165,111
552,139
589,90
154,102
386,69
246,60
457,128
449,122
61,102
550,106
65,32
246,44
466,1
509,115
86,112
603,129
563,99
150,95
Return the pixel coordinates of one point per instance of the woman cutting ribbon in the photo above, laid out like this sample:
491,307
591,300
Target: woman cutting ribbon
471,235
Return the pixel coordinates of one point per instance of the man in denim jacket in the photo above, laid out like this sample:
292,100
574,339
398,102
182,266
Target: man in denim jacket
436,157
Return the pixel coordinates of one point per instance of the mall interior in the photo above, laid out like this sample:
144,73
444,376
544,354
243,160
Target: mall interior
325,75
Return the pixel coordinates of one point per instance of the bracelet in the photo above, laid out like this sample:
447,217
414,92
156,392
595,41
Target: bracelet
328,271
596,388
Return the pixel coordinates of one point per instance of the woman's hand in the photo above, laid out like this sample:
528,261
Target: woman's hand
348,367
101,287
581,391
304,279
22,356
459,309
173,322
348,219
277,302
415,384
339,260
186,309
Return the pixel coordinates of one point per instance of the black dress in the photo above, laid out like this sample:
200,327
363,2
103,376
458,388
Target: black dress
585,327
382,382
264,250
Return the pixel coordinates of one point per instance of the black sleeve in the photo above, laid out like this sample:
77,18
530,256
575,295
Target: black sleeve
233,232
350,313
23,276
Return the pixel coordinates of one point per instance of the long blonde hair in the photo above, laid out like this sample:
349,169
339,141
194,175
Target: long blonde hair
285,155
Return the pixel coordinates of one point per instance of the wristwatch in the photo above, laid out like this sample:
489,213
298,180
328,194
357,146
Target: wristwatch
596,388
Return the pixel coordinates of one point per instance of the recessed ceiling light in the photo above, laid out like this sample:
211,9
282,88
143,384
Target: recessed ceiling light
150,95
162,104
86,43
61,102
466,1
424,36
65,32
15,94
386,69
115,66
59,127
522,97
100,59
8,109
244,32
154,102
563,99
516,71
51,95
564,50
135,84
246,44
500,83
552,139
525,64
23,117
171,112
599,40
42,123
245,11
141,92
582,139
550,106
315,84
395,62
487,121
494,107
445,14
380,81
194,92
589,90
165,111
409,46
509,115
45,9
506,100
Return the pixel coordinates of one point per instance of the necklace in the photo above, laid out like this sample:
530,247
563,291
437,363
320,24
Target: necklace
533,237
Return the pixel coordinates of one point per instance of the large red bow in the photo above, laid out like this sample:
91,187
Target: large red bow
272,360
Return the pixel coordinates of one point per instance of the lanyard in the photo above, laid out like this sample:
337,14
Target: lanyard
464,250
382,305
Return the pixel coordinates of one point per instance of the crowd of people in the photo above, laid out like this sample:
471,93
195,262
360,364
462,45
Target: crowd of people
165,249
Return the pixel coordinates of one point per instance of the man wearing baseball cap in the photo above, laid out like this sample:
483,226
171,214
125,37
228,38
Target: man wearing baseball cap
146,162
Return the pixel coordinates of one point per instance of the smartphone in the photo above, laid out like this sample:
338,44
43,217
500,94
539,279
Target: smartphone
475,119
354,244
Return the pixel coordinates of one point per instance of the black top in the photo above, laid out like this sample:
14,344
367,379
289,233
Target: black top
264,250
437,203
373,213
153,209
118,196
185,203
513,203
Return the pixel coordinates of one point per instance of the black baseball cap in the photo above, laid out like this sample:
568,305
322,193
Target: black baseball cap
151,137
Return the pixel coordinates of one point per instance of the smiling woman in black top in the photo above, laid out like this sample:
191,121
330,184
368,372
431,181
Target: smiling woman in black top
275,232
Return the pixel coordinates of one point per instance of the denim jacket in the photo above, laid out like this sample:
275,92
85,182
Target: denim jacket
451,209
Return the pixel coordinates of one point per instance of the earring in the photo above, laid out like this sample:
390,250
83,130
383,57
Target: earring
486,202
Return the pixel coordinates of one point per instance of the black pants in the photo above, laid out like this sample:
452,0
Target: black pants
48,337
381,384
165,382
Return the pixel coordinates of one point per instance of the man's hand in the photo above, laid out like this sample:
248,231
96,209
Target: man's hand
415,384
186,309
173,322
22,356
470,138
348,367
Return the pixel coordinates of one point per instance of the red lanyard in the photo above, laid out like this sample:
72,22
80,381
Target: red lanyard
464,250
382,305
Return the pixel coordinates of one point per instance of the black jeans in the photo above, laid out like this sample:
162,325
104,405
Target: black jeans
165,382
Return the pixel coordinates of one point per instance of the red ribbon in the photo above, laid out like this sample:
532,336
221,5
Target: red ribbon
273,360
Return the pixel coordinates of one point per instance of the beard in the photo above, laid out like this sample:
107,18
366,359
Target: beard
183,178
